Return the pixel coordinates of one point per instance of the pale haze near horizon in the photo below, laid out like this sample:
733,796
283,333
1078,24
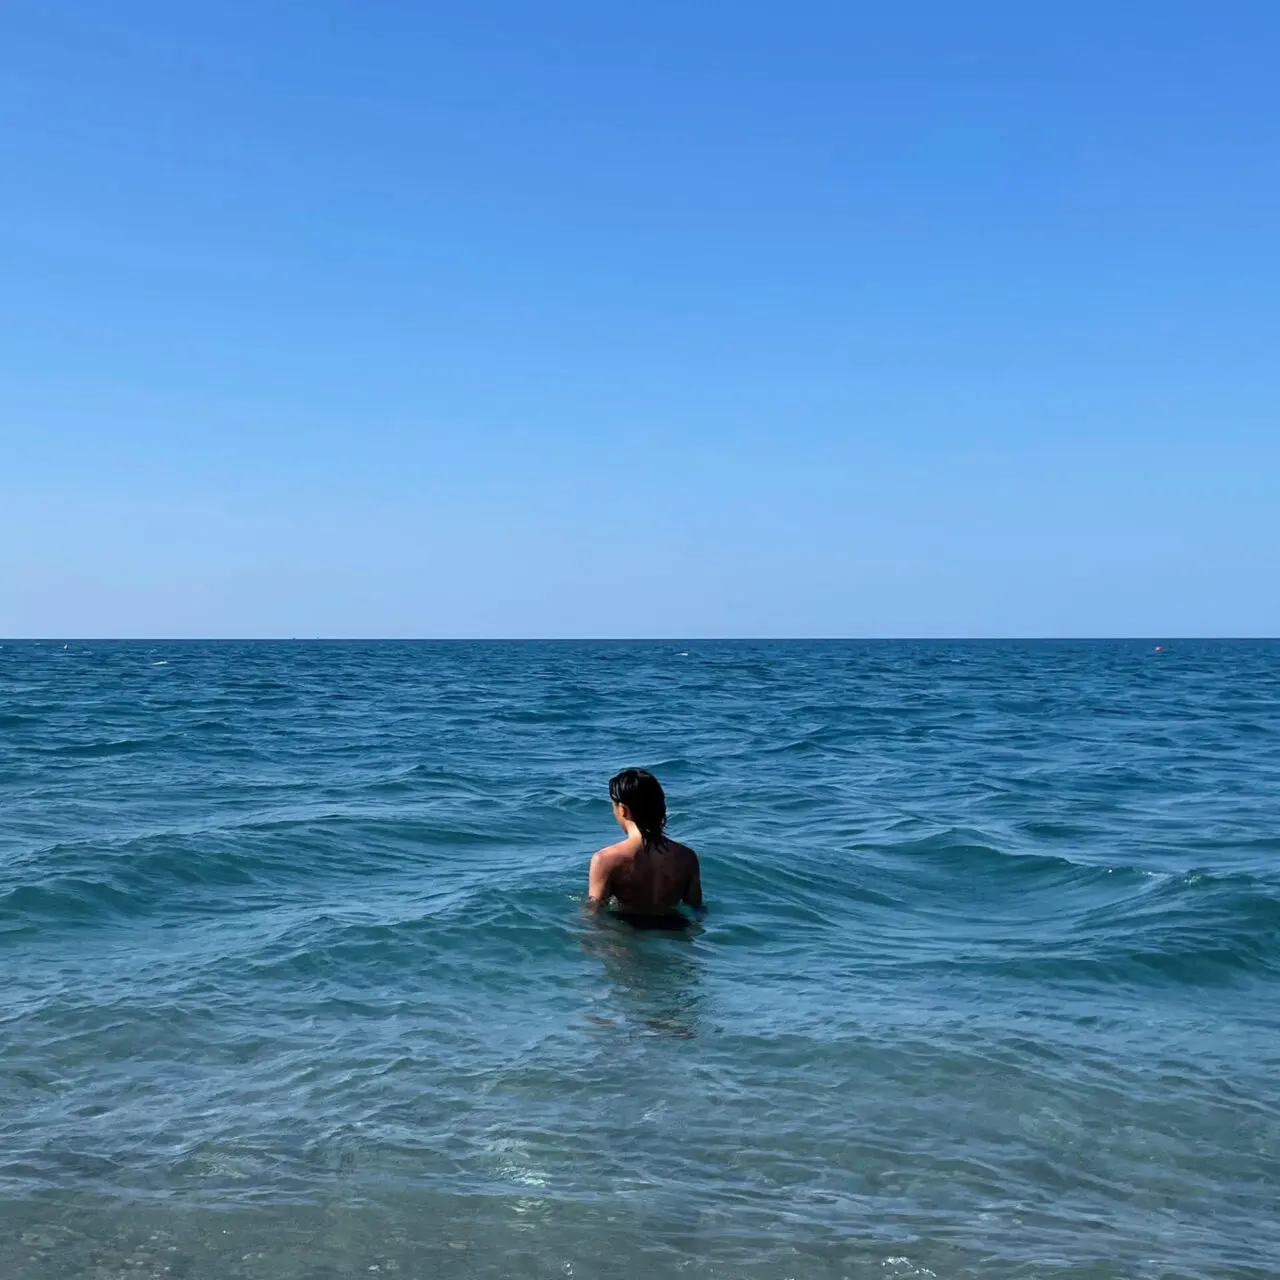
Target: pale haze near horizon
341,320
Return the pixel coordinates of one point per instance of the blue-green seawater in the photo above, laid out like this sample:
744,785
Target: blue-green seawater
297,981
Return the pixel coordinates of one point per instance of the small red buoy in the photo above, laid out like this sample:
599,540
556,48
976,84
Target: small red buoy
1159,648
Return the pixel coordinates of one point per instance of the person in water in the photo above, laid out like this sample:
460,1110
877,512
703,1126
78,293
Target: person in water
645,875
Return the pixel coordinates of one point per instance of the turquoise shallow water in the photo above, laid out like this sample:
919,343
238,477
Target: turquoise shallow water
297,982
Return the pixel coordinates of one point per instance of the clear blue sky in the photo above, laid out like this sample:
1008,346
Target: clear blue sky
508,319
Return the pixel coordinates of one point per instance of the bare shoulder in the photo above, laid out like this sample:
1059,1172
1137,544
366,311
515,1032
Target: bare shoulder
681,850
605,863
613,855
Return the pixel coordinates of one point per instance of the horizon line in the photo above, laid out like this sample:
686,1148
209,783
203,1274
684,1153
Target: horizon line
725,639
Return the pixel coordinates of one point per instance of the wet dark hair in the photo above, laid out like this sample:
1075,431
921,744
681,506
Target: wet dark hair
641,792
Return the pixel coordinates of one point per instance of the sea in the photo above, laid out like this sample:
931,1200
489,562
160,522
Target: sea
296,981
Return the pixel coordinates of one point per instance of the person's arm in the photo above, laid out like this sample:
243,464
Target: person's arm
598,879
693,889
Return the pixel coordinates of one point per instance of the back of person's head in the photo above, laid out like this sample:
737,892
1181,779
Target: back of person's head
640,793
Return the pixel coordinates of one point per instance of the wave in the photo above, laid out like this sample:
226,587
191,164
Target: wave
960,862
18,719
1192,922
97,750
952,903
232,866
1191,928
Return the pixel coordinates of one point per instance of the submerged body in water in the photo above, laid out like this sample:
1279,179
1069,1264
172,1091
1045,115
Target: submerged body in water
646,875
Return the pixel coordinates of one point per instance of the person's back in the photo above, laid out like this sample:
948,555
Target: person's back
646,874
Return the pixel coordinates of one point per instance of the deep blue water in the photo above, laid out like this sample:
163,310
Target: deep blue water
297,981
